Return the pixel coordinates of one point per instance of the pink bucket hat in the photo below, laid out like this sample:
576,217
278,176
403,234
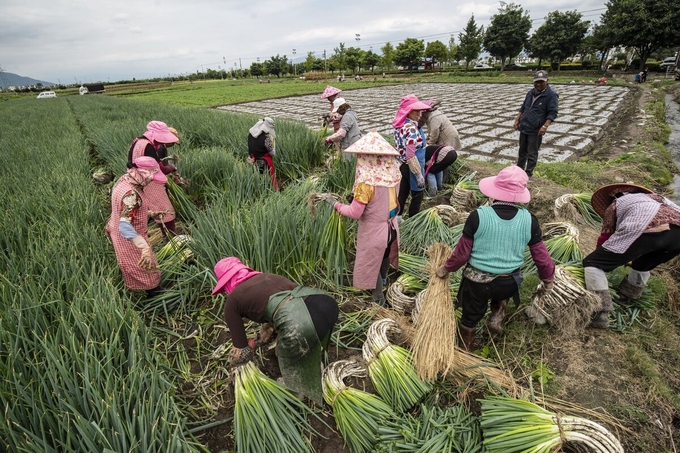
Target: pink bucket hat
230,272
510,184
158,132
329,91
408,104
149,163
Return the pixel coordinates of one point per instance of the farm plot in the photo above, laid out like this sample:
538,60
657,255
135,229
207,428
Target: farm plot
482,113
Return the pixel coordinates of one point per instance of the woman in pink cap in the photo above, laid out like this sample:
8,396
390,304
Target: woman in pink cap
492,250
127,226
375,207
331,93
409,140
157,135
303,317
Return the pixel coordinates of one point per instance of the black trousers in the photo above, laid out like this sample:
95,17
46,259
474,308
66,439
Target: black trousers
323,310
474,297
405,191
444,164
646,253
528,152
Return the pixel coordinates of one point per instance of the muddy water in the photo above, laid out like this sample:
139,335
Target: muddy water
673,120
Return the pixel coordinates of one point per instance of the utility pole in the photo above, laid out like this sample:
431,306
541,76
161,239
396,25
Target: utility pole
293,63
3,77
324,61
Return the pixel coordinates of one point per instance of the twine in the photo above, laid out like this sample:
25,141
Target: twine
338,394
375,355
558,419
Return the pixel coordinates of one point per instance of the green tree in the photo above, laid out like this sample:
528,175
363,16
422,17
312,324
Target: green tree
276,65
437,51
387,56
354,58
409,53
309,61
371,59
645,26
508,32
559,37
453,51
257,69
470,42
340,56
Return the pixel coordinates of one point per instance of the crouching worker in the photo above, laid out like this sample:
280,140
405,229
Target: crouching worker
127,226
492,248
303,317
638,227
262,147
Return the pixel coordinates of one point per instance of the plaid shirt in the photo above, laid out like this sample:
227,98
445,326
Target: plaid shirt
635,214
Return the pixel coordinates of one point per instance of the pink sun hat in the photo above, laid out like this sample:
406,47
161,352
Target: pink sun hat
150,164
329,91
230,272
158,132
408,104
510,184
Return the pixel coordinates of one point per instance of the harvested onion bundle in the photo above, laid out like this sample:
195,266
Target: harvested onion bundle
513,426
391,369
267,417
466,194
577,207
436,224
358,414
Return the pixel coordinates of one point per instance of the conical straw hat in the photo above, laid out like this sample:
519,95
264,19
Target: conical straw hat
372,143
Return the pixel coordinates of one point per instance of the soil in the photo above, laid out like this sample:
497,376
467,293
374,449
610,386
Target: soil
591,370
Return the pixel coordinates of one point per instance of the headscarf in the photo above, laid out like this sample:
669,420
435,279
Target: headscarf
265,125
230,272
377,170
140,176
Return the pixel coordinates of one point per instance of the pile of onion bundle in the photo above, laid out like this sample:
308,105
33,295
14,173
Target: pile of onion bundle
357,414
175,252
453,429
510,425
577,208
433,345
466,195
400,302
431,225
569,306
390,367
563,249
267,417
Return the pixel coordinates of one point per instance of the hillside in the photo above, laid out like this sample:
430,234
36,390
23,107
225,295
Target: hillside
9,79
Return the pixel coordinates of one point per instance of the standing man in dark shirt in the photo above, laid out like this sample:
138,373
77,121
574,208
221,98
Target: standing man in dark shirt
303,317
537,112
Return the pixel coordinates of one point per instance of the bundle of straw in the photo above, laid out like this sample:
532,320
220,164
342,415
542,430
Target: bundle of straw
391,369
358,414
434,342
569,306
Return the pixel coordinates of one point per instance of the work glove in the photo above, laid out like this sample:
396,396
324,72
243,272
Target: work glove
544,289
146,262
329,142
442,272
266,335
417,171
330,200
239,356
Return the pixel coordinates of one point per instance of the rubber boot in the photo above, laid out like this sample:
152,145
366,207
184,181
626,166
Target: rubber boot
467,336
601,318
628,293
377,293
495,323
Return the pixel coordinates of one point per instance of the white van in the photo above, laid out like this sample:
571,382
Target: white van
46,94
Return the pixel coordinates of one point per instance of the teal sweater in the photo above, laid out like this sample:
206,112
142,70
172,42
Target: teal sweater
498,245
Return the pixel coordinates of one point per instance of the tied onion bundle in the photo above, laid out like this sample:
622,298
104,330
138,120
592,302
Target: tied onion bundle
577,208
358,414
267,417
562,245
436,224
466,195
512,426
569,306
391,369
175,252
400,302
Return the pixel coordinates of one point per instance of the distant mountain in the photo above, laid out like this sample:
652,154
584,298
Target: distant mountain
8,79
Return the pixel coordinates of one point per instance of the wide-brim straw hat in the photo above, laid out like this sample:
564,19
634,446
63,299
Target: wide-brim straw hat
372,143
510,185
604,196
329,91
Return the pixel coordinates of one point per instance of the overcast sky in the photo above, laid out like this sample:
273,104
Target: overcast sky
64,41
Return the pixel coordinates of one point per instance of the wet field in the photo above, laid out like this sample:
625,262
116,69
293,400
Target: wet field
482,113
